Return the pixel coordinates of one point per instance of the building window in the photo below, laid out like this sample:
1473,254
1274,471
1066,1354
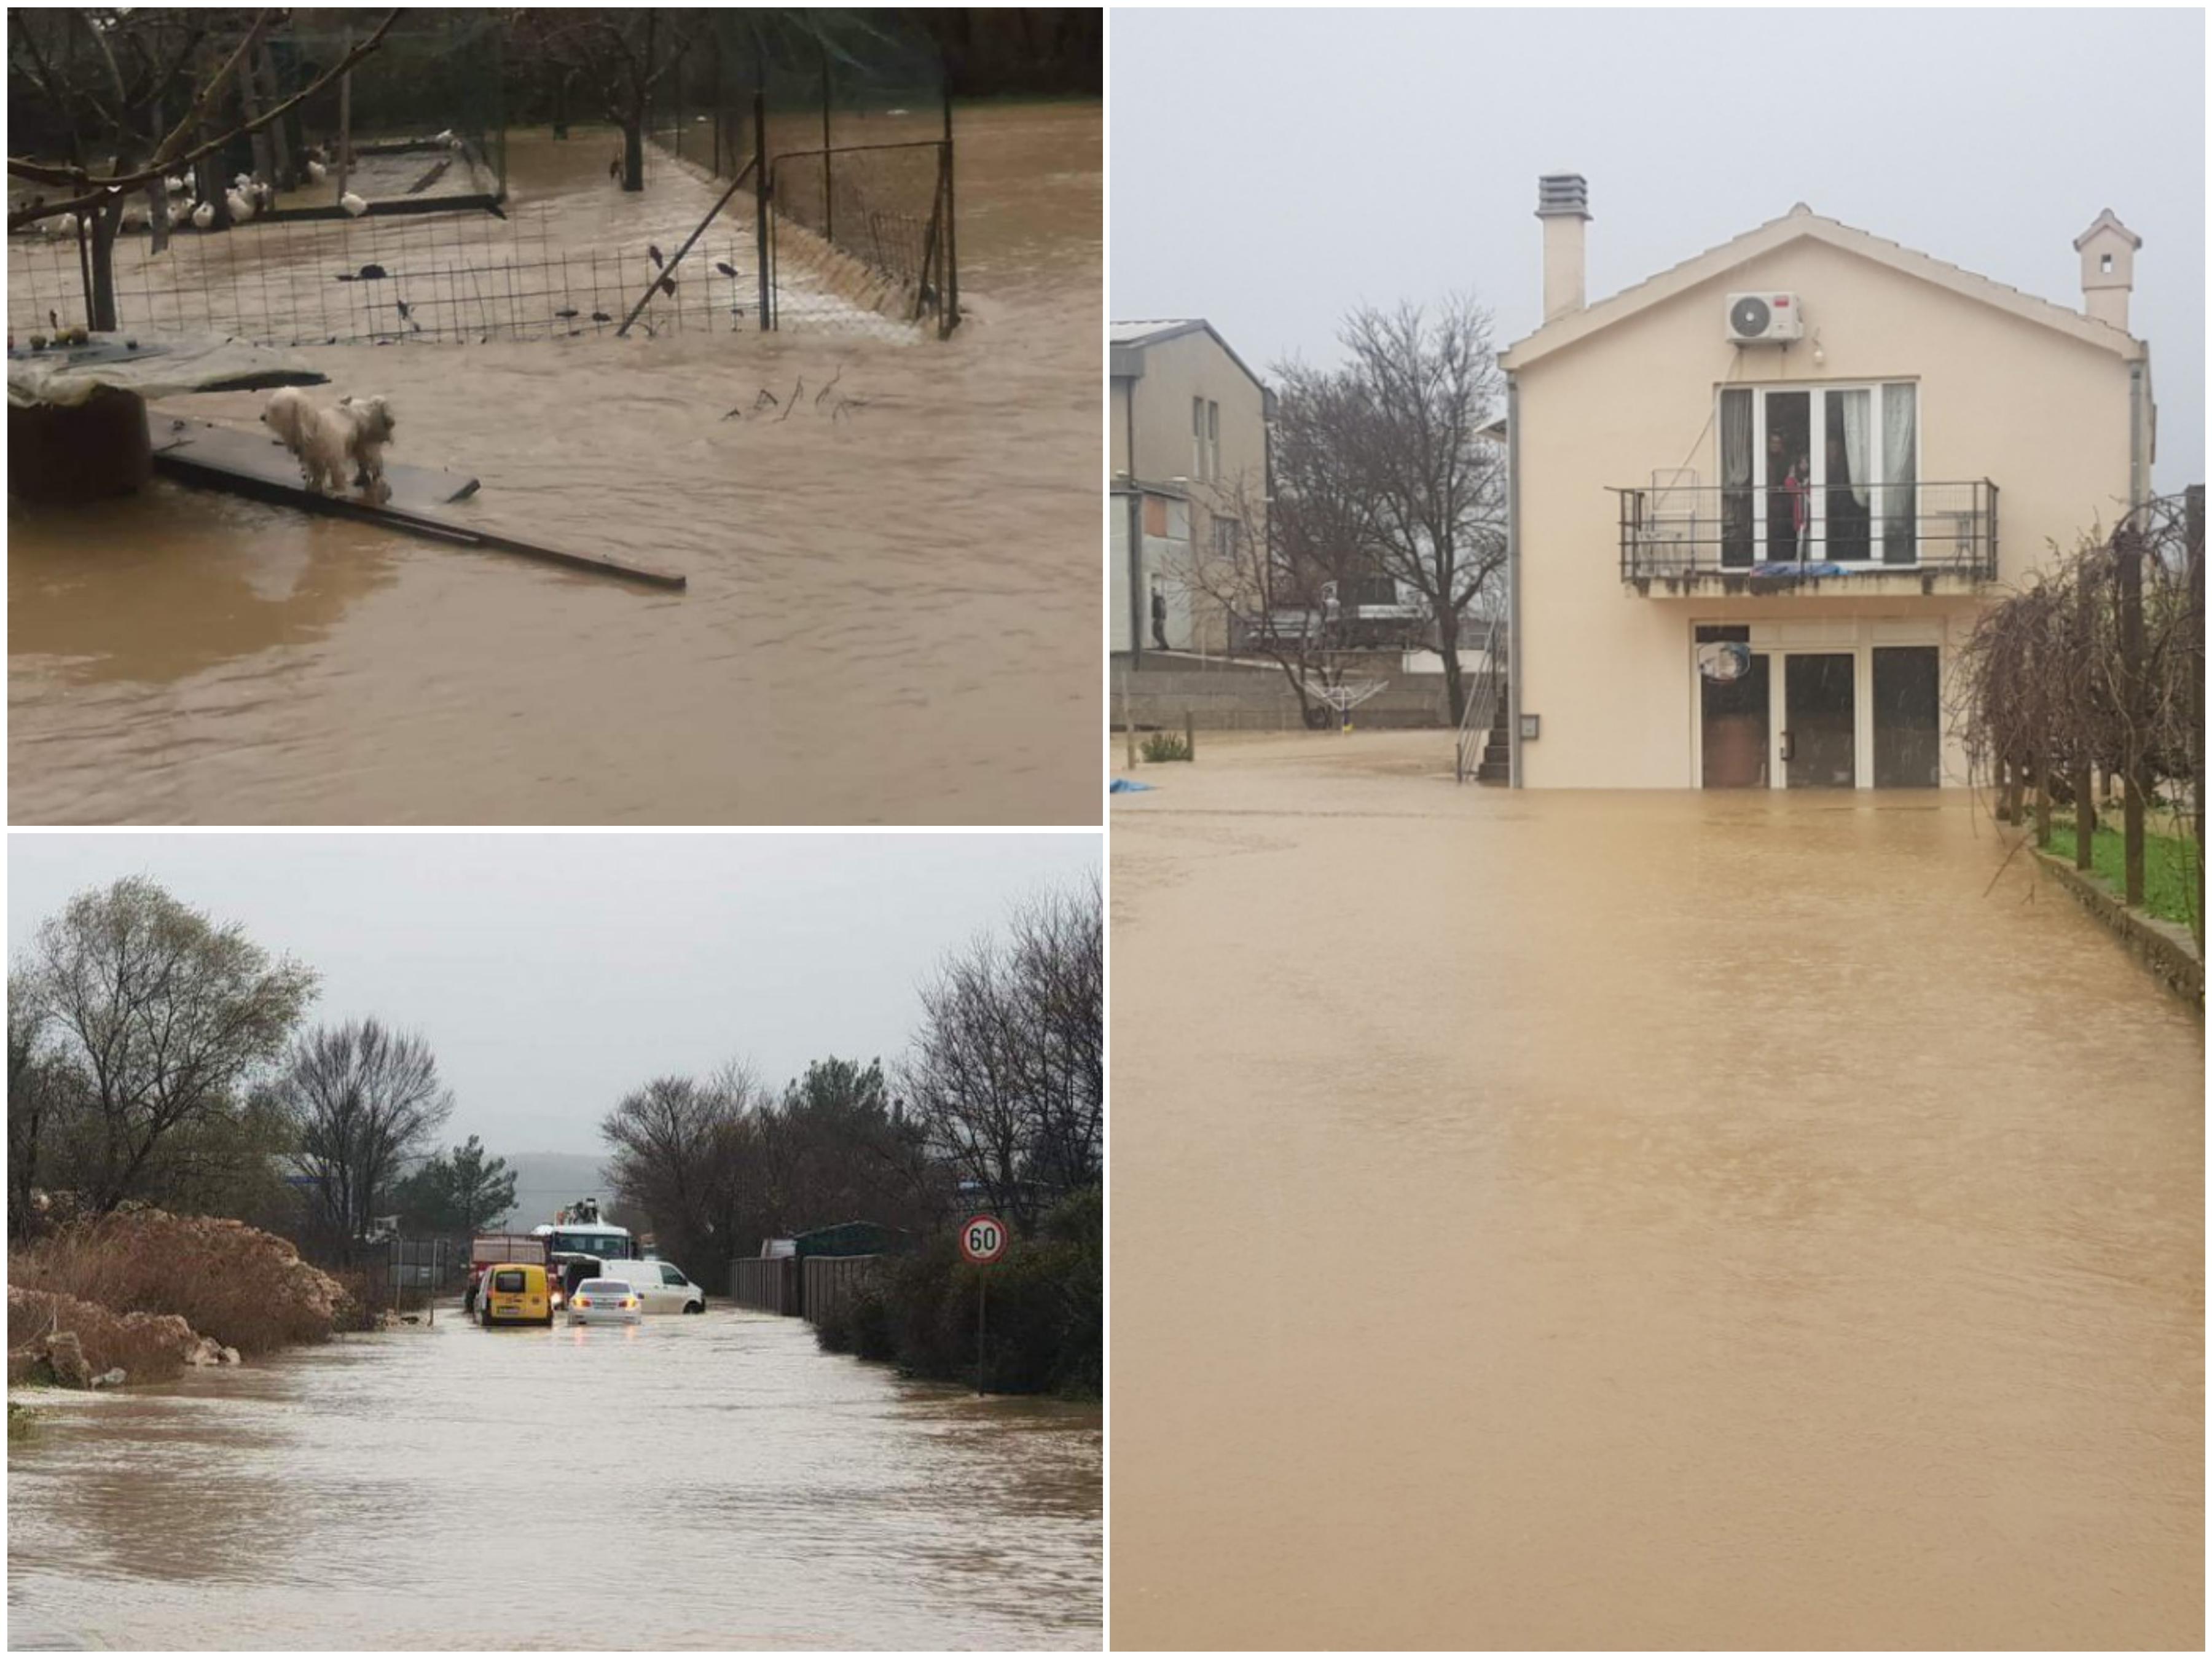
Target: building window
1809,478
1198,437
1214,440
1225,532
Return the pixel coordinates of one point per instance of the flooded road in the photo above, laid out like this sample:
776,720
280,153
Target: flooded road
711,1482
1638,1220
892,614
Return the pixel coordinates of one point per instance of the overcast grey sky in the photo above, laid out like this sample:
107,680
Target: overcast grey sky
1272,169
553,973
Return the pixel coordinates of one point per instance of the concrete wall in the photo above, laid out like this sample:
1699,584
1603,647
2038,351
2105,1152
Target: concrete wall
1246,699
2043,415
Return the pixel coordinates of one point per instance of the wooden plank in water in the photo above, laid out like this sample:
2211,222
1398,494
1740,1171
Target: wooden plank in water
258,454
249,464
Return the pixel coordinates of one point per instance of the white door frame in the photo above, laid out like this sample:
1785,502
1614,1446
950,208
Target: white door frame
1772,640
1777,707
1816,506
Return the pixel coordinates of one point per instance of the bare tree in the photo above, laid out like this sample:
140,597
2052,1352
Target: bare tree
1276,606
1327,516
111,111
622,56
1057,945
682,1156
1421,477
967,1079
164,1016
368,1102
1006,1077
41,1090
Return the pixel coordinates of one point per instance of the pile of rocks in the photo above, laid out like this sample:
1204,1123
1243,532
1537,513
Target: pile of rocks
247,1288
58,1339
209,1352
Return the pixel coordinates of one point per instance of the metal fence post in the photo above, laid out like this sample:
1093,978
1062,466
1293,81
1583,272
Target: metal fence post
952,255
2085,811
760,203
2127,560
829,211
2194,523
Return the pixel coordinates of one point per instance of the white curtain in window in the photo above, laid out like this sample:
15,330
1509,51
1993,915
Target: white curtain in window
1735,478
1736,439
1858,436
1899,475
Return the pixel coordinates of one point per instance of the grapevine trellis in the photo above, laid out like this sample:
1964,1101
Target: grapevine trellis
2093,673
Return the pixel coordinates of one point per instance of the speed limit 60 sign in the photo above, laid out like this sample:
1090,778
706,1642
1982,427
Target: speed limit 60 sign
982,1239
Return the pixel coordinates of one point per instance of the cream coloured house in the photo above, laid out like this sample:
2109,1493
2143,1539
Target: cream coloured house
1758,499
1188,443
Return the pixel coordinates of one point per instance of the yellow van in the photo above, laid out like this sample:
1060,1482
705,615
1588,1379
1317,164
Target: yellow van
514,1294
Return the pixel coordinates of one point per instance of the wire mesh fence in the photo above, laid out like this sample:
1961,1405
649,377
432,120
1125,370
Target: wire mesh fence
849,123
833,125
451,278
433,92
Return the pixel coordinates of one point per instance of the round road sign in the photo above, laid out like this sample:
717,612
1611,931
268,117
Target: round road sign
982,1239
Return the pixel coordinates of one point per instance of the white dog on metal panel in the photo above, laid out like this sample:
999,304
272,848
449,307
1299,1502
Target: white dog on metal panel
334,447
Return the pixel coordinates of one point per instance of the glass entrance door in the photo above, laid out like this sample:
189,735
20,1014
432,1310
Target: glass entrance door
1820,747
1733,708
1908,735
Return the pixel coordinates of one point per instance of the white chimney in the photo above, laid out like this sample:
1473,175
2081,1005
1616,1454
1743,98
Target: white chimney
1563,204
2108,268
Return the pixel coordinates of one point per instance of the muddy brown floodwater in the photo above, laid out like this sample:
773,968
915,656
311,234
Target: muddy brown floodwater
1562,1220
891,616
711,1482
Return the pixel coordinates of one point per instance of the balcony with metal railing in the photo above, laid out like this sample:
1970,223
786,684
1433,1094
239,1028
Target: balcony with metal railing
1689,539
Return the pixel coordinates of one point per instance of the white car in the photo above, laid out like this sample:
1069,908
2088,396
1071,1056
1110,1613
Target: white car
605,1302
662,1286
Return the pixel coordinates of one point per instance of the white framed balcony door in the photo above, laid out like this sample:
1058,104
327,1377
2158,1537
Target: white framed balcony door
1817,473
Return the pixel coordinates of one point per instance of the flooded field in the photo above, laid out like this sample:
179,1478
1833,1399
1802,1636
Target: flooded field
1646,1220
892,614
711,1482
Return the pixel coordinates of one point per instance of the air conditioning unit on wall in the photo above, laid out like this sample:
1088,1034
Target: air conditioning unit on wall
1762,319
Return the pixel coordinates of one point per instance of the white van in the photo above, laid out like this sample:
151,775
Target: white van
662,1285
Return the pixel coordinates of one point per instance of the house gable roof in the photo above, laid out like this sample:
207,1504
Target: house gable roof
1800,223
1136,336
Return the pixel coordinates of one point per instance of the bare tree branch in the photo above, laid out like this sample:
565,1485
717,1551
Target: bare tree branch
167,157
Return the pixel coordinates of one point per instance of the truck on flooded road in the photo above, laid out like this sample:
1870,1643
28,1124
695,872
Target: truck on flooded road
571,1248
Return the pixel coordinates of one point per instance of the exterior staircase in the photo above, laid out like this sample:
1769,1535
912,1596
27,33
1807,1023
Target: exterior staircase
1485,748
1497,765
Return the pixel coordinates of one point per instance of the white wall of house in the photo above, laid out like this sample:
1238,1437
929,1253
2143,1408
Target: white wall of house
1160,527
1195,421
1610,672
1120,572
1193,367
